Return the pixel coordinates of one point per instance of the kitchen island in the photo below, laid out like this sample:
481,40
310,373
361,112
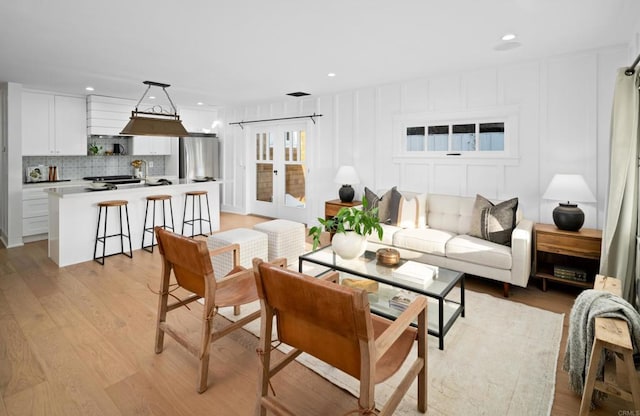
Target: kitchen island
73,216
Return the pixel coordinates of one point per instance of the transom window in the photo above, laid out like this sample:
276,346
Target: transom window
456,137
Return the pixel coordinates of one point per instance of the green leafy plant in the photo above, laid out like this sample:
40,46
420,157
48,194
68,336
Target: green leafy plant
349,219
94,149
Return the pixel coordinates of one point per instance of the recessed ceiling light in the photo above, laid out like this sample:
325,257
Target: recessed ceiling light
331,74
152,97
89,88
200,103
509,36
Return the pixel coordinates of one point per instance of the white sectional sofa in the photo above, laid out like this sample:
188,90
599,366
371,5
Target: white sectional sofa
440,229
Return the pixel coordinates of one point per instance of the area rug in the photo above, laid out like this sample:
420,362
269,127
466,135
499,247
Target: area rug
498,360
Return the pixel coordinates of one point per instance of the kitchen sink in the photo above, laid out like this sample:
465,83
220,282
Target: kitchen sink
114,179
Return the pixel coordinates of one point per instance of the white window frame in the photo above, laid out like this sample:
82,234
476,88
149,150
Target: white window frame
505,114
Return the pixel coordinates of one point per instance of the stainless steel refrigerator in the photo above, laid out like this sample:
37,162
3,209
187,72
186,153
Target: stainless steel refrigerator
199,156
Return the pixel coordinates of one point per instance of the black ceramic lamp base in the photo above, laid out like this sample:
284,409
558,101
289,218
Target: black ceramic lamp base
346,193
568,217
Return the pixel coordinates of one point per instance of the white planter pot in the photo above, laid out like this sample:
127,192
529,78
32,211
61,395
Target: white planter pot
349,245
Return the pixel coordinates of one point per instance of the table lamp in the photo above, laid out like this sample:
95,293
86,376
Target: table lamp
571,188
346,176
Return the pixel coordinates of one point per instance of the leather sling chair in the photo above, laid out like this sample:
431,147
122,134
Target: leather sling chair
190,261
334,324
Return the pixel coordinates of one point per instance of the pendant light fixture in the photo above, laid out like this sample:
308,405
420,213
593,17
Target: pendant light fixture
152,123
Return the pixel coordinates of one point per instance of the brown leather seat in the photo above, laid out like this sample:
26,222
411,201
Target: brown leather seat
334,324
190,262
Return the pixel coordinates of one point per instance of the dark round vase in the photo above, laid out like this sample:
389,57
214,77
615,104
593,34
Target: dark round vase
346,193
568,217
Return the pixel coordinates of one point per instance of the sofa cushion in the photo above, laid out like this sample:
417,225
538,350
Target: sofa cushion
493,222
382,202
387,234
479,251
449,212
427,240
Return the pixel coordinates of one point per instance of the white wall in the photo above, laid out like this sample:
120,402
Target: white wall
11,165
563,106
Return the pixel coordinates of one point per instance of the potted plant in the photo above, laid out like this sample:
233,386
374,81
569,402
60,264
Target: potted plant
351,225
94,149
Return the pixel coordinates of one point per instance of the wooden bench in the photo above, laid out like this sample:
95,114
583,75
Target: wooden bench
620,378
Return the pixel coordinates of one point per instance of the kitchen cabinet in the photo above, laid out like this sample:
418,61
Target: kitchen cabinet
35,213
53,125
35,209
151,145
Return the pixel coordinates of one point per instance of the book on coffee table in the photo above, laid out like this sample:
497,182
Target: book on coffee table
402,299
416,272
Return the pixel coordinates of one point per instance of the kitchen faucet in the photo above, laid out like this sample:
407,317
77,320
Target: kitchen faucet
146,169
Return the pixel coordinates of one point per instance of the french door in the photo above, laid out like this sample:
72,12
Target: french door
279,185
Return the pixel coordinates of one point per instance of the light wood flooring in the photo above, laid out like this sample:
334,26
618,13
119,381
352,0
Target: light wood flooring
79,340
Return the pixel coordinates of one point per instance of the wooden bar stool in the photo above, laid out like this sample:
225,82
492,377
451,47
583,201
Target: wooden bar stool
103,239
194,219
145,229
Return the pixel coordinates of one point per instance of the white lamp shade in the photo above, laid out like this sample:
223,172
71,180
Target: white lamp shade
570,188
347,175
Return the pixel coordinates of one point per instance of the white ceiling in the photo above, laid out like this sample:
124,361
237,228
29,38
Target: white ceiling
238,51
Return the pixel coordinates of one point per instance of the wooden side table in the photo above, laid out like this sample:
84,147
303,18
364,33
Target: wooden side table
332,207
566,256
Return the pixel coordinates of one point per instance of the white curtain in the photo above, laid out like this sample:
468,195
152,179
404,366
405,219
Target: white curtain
618,257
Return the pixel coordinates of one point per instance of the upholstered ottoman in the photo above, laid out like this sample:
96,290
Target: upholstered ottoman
252,244
286,239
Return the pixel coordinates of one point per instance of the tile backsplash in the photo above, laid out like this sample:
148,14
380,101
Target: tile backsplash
77,167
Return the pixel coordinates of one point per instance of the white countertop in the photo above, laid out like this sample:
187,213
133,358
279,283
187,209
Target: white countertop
57,184
84,188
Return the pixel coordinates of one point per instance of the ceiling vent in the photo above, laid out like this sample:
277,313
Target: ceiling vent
298,94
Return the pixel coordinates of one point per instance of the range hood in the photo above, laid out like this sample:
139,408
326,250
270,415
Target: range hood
200,134
107,136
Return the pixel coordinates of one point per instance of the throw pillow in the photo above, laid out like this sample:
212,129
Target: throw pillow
382,202
404,212
493,222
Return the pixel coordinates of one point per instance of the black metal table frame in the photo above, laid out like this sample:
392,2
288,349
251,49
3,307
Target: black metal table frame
442,328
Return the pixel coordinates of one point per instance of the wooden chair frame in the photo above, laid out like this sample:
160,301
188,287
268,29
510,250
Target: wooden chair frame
372,346
190,261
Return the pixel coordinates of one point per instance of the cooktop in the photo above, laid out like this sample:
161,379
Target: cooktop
114,179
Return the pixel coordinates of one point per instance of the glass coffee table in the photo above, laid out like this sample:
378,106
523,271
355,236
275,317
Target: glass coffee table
393,286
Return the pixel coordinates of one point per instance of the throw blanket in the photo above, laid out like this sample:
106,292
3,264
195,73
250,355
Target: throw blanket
589,305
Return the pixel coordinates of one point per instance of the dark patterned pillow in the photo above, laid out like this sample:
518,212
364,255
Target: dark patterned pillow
492,222
382,202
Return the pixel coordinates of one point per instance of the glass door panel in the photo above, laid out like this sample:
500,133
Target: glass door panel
264,169
264,182
280,172
295,177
